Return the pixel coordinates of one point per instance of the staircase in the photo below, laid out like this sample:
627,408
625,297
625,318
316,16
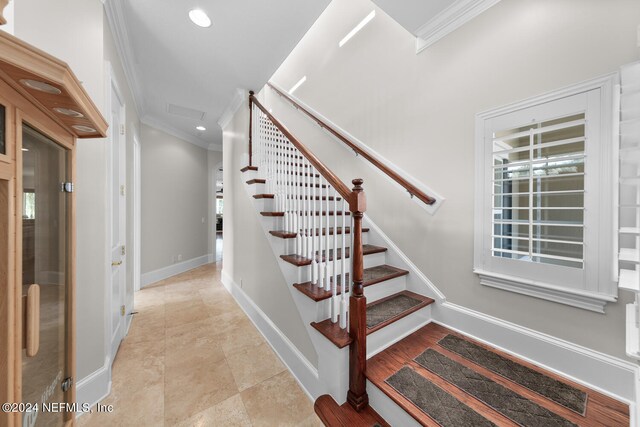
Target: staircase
369,314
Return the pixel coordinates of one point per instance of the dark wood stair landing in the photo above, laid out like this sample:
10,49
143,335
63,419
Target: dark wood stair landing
340,337
601,410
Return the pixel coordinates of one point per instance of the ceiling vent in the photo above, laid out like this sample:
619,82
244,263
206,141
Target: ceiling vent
185,112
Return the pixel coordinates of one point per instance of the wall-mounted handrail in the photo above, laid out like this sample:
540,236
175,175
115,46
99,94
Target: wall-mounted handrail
336,182
411,188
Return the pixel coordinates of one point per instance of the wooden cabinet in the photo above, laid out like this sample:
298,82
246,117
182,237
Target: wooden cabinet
43,110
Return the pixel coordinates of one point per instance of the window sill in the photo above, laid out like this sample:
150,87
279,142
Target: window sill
587,300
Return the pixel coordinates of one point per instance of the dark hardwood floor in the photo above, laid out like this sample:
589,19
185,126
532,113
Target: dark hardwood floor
601,410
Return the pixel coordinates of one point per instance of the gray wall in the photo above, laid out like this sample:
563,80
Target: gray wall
175,199
419,112
247,256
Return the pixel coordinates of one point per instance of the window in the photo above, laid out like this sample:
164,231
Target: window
544,196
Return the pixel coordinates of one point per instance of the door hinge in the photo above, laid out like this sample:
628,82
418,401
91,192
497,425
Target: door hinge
122,310
121,129
66,187
66,384
122,250
122,190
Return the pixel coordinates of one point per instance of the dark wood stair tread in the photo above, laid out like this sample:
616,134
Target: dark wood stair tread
340,337
290,235
372,276
601,409
263,196
334,415
300,261
316,213
257,181
249,168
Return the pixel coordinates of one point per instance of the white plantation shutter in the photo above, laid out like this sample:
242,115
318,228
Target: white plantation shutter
543,221
538,192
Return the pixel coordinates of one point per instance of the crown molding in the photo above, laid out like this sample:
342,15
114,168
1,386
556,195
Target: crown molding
238,99
450,19
114,10
153,122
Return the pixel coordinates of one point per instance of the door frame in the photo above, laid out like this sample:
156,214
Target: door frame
137,210
113,87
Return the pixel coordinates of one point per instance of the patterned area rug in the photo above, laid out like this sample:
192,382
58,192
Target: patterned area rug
509,403
561,393
435,402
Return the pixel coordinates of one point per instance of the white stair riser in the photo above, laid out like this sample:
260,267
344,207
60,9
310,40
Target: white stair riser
290,244
390,334
270,205
388,409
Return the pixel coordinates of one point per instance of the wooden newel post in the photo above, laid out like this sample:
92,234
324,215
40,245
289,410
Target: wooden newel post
250,126
357,395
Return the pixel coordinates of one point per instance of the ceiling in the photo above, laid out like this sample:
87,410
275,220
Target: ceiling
183,75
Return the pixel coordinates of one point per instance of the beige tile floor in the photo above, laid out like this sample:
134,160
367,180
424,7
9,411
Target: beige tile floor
193,358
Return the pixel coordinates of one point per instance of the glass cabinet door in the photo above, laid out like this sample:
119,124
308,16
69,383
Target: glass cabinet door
44,263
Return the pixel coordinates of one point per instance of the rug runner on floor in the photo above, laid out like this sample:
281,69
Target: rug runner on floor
505,401
434,401
561,393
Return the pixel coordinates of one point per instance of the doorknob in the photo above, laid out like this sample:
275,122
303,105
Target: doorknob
115,264
31,307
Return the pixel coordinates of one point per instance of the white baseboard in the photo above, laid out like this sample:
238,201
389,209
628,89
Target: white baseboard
95,386
302,370
607,374
174,269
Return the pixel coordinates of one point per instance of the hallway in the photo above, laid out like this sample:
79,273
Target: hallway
193,358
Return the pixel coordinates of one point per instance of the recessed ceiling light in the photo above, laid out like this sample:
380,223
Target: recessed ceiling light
200,18
297,85
201,128
84,129
68,112
357,28
25,149
40,86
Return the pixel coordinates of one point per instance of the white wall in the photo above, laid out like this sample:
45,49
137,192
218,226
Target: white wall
175,199
247,256
419,112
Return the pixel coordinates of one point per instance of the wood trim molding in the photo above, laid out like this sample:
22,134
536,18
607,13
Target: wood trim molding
449,20
19,60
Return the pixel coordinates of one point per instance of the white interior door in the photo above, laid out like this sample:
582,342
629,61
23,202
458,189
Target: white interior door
118,226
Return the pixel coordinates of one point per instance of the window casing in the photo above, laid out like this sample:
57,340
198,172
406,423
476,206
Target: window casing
544,182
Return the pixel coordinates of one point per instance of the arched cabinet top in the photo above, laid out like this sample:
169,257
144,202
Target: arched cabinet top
51,86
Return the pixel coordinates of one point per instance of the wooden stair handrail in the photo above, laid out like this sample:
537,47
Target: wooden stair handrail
412,189
357,393
335,182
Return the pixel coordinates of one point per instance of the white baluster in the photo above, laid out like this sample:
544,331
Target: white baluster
326,237
314,240
287,186
320,246
298,201
335,301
